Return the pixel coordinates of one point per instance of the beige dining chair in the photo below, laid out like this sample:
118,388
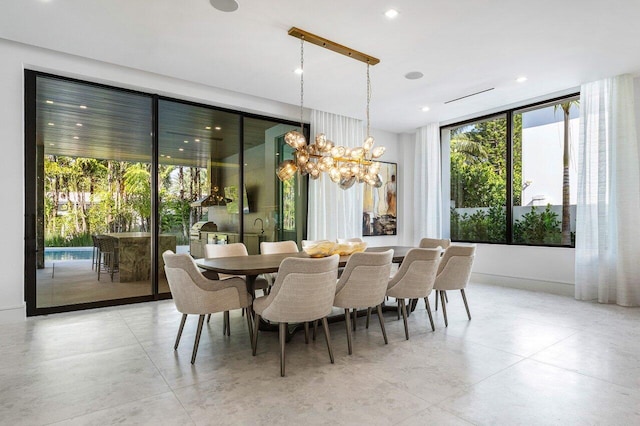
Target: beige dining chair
194,294
454,272
435,243
363,284
304,291
228,250
414,280
276,247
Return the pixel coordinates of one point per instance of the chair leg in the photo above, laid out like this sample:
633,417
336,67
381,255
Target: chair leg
426,304
250,325
347,321
446,298
381,319
208,318
184,319
404,317
99,266
368,316
197,342
444,308
227,326
283,337
306,332
327,336
355,317
398,301
256,321
315,329
437,294
466,305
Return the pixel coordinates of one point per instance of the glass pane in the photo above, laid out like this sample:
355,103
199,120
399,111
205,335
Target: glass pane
198,178
273,209
545,175
94,198
478,181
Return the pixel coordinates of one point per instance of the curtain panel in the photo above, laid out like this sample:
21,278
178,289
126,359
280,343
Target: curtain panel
334,212
607,231
427,201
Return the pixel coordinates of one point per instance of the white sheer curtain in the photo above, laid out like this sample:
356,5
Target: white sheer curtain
334,212
607,226
427,202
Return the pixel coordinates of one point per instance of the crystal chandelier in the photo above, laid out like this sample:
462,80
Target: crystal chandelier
345,166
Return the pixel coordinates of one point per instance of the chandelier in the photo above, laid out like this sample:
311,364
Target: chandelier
345,166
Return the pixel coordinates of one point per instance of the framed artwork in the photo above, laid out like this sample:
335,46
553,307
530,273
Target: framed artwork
380,205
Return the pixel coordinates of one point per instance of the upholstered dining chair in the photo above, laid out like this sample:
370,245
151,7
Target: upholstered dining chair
276,247
228,250
453,274
414,280
304,291
194,294
435,243
363,284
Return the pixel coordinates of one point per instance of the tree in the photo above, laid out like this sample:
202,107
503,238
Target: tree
566,191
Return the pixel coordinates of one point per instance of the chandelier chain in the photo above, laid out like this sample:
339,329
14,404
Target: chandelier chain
368,97
301,83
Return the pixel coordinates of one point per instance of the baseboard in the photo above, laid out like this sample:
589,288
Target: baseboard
553,287
12,314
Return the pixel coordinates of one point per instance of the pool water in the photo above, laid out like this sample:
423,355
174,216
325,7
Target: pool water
67,253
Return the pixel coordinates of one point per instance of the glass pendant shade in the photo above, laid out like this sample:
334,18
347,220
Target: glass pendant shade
377,152
346,183
286,170
368,143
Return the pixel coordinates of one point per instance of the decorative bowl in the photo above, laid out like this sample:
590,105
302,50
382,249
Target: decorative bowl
320,248
345,249
324,248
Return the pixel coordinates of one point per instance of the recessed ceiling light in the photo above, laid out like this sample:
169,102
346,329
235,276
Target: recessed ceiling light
49,101
277,153
180,149
224,5
197,140
521,79
51,124
83,107
425,109
218,128
208,128
76,137
413,75
79,124
186,141
391,13
298,71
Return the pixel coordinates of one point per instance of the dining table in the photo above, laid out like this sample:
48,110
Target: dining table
254,265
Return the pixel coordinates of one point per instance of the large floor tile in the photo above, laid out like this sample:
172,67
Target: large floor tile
532,393
608,357
63,388
164,409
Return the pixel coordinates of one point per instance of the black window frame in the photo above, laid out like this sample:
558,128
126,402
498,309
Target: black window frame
508,113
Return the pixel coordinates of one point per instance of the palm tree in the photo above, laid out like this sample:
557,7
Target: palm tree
566,216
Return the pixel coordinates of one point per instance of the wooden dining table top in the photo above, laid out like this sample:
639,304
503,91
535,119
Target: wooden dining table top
257,264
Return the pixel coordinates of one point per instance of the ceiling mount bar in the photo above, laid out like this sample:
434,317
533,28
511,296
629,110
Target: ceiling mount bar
331,45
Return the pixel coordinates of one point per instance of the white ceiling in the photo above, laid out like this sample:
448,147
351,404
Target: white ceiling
461,47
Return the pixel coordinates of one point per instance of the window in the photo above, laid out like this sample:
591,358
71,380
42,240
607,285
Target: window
513,175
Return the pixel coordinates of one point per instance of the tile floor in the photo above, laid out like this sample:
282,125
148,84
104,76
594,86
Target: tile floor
525,358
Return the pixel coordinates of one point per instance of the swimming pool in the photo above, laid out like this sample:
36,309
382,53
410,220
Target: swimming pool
67,253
